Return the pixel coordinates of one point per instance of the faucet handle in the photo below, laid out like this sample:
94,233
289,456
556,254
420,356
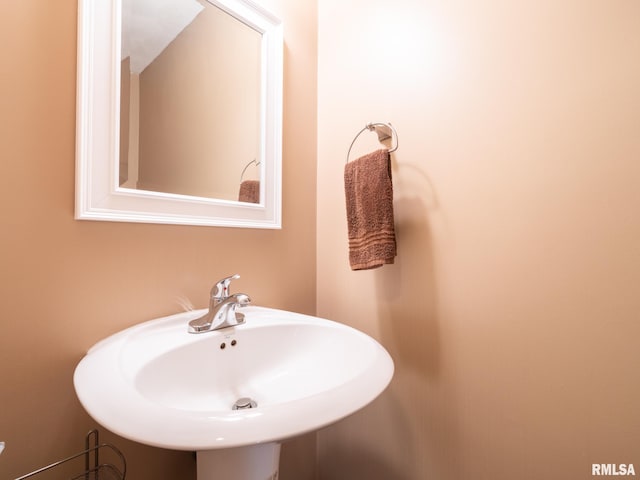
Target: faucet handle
220,290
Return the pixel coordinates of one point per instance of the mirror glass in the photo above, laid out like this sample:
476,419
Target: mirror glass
179,112
189,100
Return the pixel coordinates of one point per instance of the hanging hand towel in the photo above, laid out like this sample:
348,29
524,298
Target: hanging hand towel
369,195
249,191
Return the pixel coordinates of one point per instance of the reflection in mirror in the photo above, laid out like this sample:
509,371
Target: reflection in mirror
190,100
178,130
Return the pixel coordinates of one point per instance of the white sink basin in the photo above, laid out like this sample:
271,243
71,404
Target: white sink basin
157,384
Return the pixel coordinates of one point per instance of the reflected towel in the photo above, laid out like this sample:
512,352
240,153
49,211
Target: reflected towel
249,191
369,196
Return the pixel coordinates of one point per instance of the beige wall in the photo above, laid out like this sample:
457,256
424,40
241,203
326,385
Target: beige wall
512,309
66,284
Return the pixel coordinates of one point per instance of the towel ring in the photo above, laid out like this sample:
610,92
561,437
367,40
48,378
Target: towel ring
384,131
247,166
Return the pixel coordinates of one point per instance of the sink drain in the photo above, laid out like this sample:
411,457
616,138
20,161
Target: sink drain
244,403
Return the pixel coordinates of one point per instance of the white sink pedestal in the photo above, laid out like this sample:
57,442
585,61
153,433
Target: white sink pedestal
254,462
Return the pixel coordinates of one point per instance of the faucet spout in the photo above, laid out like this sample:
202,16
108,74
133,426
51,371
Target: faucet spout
221,315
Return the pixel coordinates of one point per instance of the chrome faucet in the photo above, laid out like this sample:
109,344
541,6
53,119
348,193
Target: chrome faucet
222,308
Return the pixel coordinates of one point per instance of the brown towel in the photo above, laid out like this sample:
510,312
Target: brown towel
249,191
369,195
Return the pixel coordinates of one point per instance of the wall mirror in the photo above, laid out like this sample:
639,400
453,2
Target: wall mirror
179,112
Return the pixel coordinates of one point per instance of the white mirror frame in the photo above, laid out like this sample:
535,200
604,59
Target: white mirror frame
98,195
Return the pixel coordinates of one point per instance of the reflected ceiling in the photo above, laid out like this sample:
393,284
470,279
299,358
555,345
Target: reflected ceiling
149,26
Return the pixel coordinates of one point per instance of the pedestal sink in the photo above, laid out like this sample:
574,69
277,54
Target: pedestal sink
233,394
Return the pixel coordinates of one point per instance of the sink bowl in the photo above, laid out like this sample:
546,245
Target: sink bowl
157,384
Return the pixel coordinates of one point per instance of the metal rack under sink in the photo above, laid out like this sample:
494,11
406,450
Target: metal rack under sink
93,468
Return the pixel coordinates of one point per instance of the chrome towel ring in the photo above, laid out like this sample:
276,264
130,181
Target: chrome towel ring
247,166
384,131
